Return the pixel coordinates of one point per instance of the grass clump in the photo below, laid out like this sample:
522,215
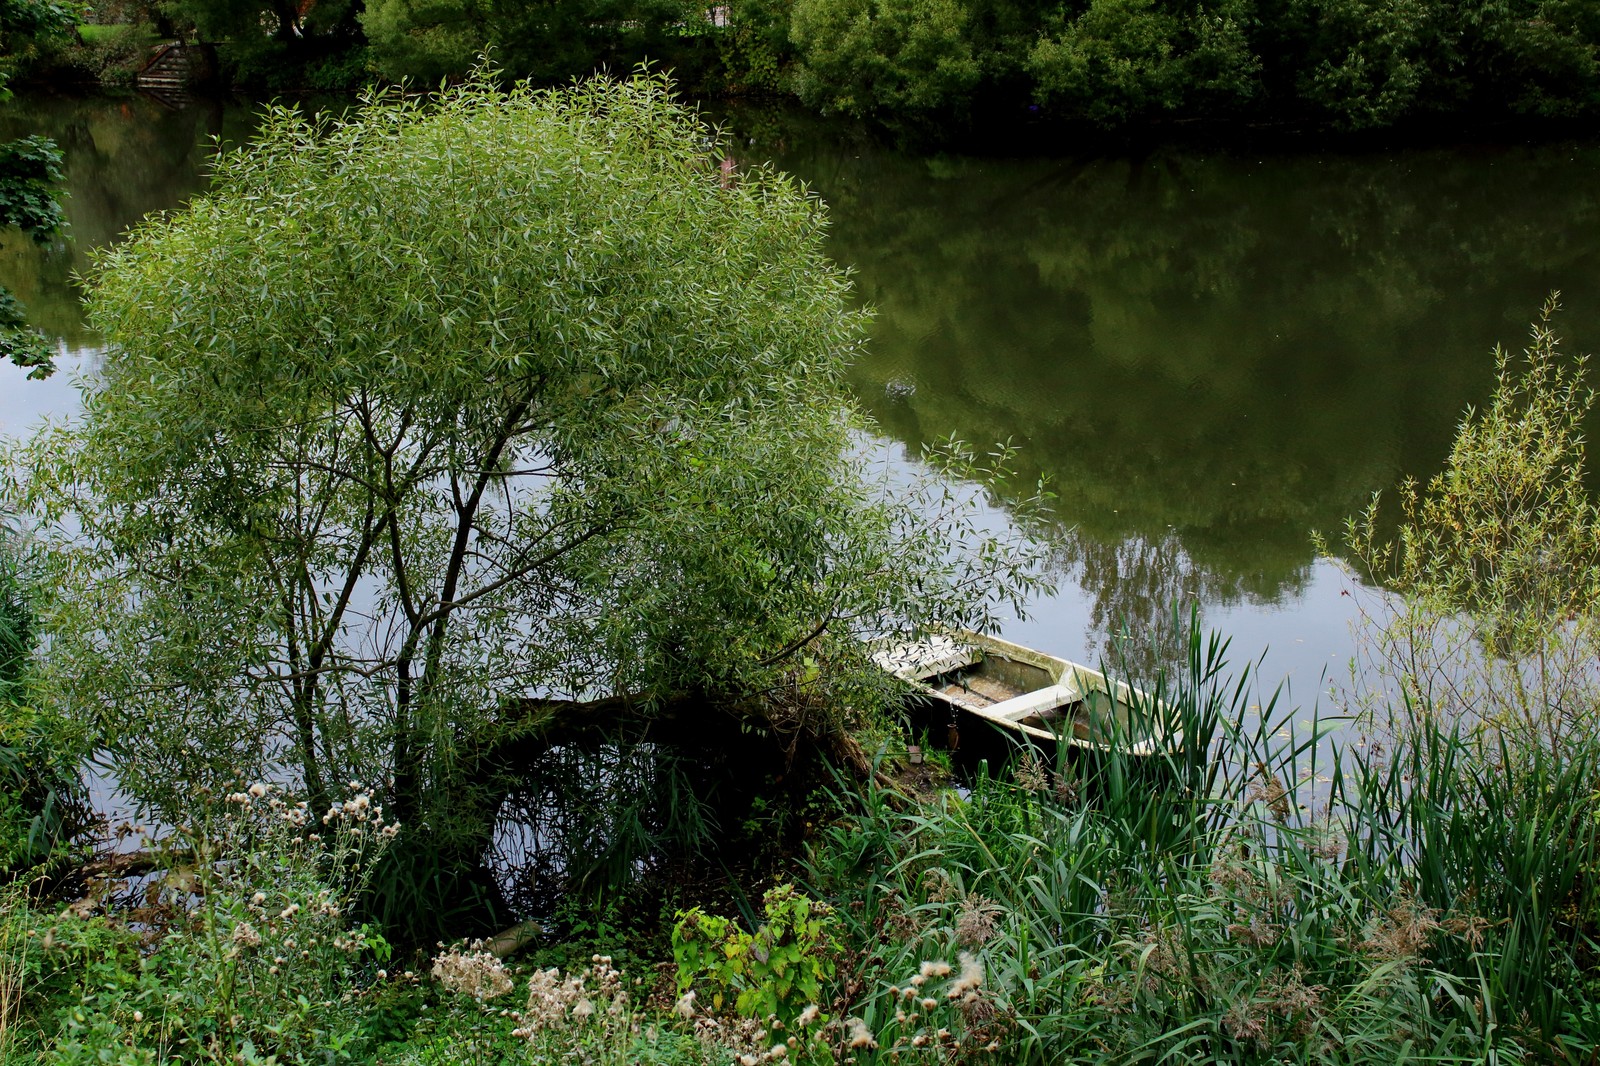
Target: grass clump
1264,895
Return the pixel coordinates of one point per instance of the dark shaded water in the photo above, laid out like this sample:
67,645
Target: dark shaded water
1209,355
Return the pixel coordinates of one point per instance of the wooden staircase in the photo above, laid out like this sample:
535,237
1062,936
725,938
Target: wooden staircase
168,75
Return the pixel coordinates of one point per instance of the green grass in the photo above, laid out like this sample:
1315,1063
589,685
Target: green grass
1432,905
142,34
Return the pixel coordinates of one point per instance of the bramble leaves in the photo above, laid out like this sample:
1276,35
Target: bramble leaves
777,971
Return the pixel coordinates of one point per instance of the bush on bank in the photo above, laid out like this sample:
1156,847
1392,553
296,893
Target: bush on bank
945,67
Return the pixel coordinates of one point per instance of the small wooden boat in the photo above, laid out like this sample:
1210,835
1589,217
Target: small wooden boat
1030,693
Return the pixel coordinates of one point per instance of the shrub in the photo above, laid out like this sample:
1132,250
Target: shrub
260,957
777,971
1495,566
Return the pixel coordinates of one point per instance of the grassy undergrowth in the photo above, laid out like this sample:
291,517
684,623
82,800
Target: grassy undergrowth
1270,897
1263,894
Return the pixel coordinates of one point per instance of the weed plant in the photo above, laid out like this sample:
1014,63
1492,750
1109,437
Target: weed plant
249,952
1260,894
595,1014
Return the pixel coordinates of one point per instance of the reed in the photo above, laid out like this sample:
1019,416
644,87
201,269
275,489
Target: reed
1264,893
14,949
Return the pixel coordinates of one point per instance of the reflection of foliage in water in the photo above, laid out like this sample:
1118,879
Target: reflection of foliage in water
582,818
125,157
1209,355
1136,583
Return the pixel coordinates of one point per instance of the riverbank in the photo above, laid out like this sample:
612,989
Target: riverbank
1266,893
1253,900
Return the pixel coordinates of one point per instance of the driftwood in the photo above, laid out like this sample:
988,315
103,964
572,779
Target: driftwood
508,942
119,865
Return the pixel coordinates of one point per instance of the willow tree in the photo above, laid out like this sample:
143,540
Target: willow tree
433,415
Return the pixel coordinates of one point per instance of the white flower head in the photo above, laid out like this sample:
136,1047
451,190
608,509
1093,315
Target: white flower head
860,1035
970,979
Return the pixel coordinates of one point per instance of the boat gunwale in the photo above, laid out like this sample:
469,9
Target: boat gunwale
1062,691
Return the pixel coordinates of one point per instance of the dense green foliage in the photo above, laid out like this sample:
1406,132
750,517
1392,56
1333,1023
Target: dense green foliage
255,893
26,25
941,68
275,44
948,67
250,951
548,41
41,800
1106,64
1348,64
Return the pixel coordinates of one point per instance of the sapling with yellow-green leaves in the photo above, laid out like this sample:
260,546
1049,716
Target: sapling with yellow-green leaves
1494,568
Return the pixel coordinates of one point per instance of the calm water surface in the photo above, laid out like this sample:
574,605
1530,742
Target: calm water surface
1208,355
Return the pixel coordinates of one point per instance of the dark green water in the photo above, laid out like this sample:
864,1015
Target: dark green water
1209,355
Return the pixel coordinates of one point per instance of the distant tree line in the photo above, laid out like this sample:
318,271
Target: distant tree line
1342,64
1345,64
956,64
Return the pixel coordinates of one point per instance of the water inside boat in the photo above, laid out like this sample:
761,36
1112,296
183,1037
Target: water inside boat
993,679
1089,718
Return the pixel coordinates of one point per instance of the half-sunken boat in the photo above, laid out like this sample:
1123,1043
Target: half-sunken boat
1029,693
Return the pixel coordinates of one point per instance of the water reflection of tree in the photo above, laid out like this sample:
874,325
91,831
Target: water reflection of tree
1209,355
126,156
1141,590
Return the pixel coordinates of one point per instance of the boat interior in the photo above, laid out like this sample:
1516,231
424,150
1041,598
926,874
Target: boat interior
1039,693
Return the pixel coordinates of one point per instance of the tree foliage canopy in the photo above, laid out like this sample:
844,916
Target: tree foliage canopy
548,40
438,406
274,44
1347,64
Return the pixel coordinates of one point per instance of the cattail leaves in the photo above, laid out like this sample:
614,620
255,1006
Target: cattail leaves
1316,901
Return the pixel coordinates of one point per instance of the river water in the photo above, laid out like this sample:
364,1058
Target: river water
1208,355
